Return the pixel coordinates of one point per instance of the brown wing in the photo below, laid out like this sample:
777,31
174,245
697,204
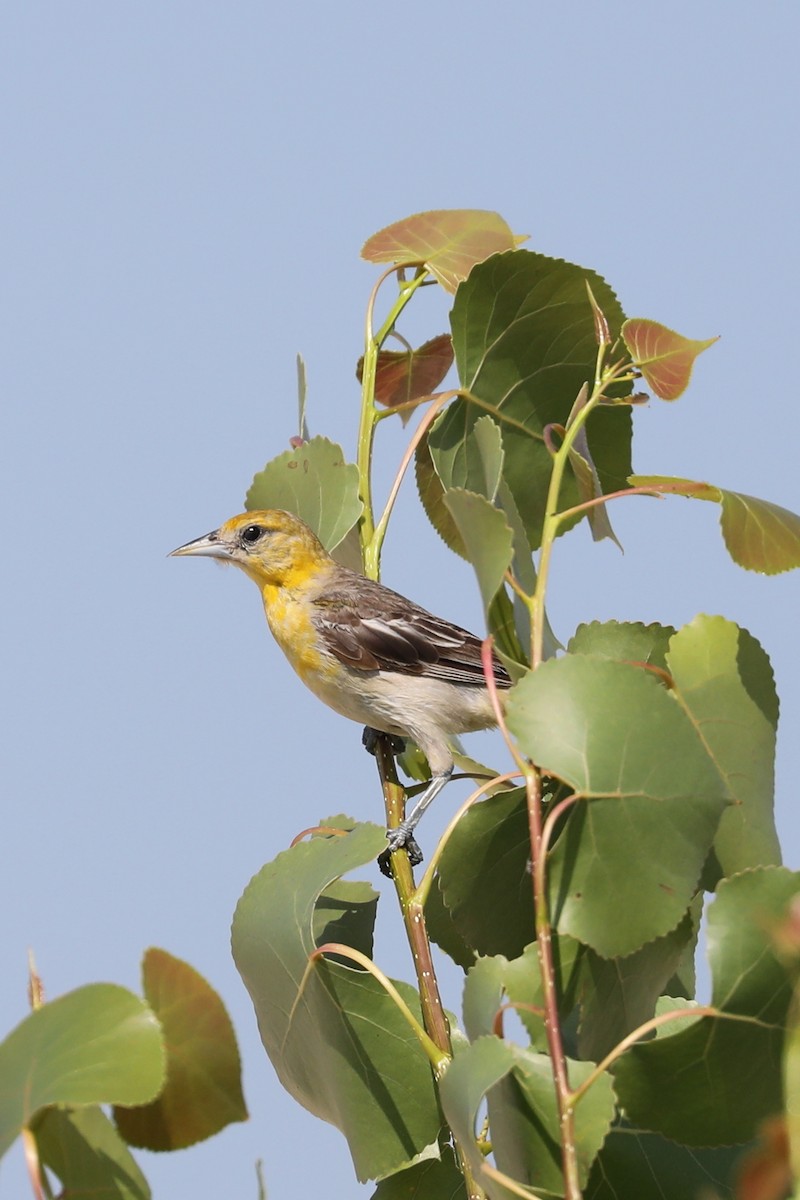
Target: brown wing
369,627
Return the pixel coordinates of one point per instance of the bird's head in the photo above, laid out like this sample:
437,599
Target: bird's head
273,547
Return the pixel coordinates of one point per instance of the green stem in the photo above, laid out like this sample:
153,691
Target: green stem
411,907
432,1008
550,525
553,518
370,414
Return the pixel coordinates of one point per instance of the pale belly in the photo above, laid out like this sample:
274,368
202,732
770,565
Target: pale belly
427,710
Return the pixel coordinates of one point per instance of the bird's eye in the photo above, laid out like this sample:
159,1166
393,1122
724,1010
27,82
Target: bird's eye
250,535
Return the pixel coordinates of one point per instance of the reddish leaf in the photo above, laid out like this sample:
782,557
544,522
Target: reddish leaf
759,535
405,375
203,1092
664,357
449,242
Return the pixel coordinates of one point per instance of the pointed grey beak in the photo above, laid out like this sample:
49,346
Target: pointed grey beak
208,547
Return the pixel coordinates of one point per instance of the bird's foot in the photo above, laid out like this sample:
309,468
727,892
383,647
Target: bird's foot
369,740
401,838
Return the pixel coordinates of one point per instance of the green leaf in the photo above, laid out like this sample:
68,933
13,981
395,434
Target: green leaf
524,1123
759,535
472,1074
523,335
314,482
337,1041
619,994
448,242
434,1179
302,423
725,683
476,463
525,573
496,980
470,529
489,440
537,1153
711,1083
664,357
97,1045
484,876
684,980
443,930
626,866
643,1166
589,488
623,641
486,536
203,1092
431,493
82,1147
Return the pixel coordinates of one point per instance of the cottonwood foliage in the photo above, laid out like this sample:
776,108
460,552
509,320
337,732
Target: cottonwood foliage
638,792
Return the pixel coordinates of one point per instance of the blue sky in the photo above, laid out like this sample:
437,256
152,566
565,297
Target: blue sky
186,190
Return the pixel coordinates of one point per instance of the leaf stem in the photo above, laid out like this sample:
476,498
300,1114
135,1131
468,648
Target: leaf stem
634,1036
438,1060
379,532
33,1164
423,888
553,816
677,1014
579,509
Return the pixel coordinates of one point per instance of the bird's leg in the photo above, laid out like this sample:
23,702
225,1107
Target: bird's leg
402,837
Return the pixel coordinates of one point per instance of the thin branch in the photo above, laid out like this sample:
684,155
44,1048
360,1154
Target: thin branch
552,1024
416,931
433,1013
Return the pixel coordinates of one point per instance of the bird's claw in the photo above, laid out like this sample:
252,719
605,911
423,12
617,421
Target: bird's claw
369,740
399,839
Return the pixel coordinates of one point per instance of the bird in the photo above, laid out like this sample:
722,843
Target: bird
366,651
